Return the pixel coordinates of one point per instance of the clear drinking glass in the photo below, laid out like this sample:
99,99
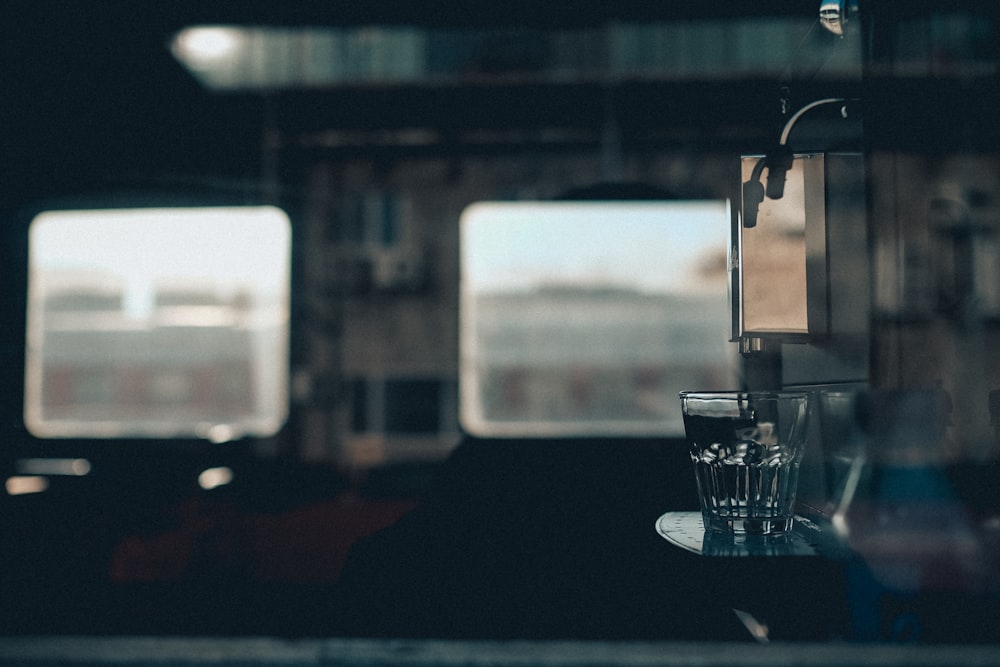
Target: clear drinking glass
746,448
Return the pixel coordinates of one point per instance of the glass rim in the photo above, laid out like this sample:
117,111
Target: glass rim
738,394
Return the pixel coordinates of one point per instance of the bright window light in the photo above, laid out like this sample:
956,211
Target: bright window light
213,478
168,322
21,485
587,318
53,466
208,46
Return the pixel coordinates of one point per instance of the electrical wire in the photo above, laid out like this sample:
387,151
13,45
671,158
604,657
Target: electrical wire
798,114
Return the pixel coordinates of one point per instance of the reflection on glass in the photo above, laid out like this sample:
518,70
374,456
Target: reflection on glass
897,506
589,317
782,259
158,322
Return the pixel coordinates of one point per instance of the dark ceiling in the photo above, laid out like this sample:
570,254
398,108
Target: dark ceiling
92,93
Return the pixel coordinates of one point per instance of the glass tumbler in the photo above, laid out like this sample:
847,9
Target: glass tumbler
746,448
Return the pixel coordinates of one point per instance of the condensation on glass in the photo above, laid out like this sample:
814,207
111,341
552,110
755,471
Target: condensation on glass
165,322
587,318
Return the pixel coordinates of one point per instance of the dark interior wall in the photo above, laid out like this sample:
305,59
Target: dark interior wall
101,113
98,106
100,109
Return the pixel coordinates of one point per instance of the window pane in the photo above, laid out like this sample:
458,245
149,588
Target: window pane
158,322
589,317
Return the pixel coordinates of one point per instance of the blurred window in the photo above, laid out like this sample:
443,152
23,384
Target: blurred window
587,318
167,322
266,58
